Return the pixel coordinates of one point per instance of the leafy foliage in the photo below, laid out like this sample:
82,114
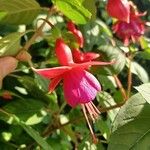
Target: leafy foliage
22,12
128,129
33,118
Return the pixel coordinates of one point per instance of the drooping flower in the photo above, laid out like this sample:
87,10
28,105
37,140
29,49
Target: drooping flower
79,56
77,33
119,9
132,30
80,86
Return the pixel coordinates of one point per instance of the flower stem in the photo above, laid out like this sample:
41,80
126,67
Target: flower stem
120,86
111,107
38,31
129,77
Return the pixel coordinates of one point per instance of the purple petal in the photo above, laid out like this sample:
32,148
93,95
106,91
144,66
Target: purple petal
80,87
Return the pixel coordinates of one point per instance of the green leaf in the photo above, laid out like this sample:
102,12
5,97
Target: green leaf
112,53
145,54
35,135
28,110
104,27
91,7
106,100
131,128
31,86
2,14
138,70
103,127
10,44
144,90
95,33
19,12
73,10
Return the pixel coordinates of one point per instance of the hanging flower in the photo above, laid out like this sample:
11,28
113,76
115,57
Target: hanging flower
132,30
80,87
79,56
119,9
77,33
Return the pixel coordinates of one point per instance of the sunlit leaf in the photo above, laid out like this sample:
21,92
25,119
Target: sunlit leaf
10,44
138,70
19,12
36,136
131,128
112,53
73,10
144,90
91,7
27,110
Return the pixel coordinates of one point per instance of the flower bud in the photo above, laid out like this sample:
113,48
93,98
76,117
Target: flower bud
71,26
77,33
119,9
63,53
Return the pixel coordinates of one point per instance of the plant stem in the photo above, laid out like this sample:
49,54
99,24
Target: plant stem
129,77
120,86
112,107
38,31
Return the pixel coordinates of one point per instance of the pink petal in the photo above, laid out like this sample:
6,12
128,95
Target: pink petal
54,82
80,87
63,52
52,72
88,56
87,64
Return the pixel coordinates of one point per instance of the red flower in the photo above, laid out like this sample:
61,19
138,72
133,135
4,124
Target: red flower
77,33
79,56
119,9
132,30
80,86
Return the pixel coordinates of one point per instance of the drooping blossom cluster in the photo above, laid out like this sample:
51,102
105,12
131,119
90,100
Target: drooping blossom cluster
79,85
129,25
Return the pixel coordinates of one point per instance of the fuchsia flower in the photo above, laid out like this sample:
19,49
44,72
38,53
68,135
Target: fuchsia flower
119,9
79,56
79,86
132,30
77,33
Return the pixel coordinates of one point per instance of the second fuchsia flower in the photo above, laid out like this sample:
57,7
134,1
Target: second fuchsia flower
132,30
129,25
79,85
119,9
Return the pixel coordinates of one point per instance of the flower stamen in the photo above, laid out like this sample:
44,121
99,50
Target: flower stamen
94,114
92,110
88,122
